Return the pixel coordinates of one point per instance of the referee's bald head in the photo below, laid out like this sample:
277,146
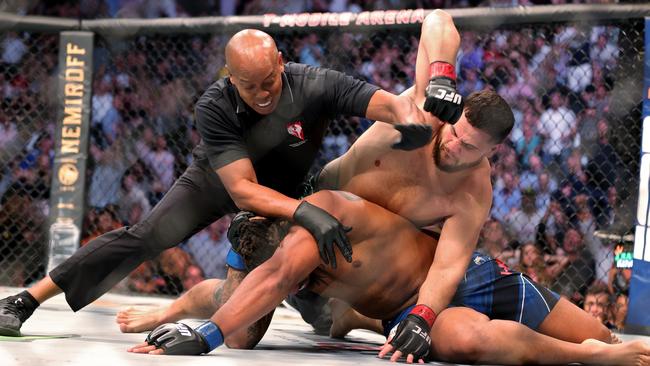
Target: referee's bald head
256,67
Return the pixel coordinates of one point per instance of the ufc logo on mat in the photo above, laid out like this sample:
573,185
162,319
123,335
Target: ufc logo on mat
448,96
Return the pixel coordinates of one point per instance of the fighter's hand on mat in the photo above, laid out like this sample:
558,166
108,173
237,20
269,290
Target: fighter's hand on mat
327,231
173,339
442,99
414,136
412,336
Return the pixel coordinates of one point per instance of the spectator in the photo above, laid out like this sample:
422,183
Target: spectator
603,53
618,280
597,303
173,263
335,145
619,312
104,113
13,48
132,198
105,221
579,270
546,186
530,142
144,279
602,99
107,174
311,53
209,248
615,218
193,275
506,199
558,127
605,162
530,176
523,221
8,135
470,82
495,243
533,264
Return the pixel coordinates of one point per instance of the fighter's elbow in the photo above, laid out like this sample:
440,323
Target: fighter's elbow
437,16
441,18
241,342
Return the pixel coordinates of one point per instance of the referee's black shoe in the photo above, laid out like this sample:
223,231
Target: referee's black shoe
14,311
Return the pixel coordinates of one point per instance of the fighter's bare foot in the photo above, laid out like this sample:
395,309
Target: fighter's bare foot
628,353
139,319
344,318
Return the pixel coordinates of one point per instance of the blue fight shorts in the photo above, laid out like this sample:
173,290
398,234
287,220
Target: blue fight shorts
491,288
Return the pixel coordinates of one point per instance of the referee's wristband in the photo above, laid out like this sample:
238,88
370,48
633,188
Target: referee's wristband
211,334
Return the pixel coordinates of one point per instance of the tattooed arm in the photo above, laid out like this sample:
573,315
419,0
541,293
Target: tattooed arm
248,338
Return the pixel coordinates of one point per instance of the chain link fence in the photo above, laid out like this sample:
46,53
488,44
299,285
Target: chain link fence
27,121
567,173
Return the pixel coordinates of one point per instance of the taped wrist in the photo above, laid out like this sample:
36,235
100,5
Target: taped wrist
211,334
442,68
425,313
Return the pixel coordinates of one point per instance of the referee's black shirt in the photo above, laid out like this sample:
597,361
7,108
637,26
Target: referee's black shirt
282,145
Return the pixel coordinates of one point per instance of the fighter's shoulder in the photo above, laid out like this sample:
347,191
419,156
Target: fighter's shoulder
477,187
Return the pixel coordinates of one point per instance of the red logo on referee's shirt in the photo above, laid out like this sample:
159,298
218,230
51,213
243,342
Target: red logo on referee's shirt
295,129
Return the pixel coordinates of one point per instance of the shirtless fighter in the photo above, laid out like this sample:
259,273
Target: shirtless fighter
381,239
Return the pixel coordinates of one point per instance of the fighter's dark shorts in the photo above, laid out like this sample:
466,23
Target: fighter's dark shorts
491,288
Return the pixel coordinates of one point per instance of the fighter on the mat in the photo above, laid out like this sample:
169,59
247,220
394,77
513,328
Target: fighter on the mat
391,262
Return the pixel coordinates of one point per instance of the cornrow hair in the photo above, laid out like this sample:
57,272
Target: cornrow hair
259,238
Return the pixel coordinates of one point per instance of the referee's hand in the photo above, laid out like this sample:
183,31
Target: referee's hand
327,231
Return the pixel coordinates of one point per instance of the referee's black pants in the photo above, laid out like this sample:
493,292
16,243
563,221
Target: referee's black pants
196,199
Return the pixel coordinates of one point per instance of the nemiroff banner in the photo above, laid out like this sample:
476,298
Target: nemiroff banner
73,122
638,316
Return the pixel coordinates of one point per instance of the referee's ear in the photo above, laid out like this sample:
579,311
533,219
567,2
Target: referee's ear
280,61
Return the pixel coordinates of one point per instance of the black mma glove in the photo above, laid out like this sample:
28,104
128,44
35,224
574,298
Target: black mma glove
443,101
180,339
326,229
235,224
414,136
412,335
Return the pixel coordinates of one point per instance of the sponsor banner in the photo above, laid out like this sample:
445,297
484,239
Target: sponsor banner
364,18
73,123
638,316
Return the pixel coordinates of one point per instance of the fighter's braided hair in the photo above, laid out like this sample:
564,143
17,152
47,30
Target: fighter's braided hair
259,238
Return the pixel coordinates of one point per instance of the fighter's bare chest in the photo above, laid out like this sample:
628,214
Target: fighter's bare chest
409,196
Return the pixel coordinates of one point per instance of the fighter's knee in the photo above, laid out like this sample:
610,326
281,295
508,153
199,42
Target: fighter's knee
464,341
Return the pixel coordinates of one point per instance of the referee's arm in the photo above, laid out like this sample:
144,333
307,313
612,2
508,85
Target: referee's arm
241,183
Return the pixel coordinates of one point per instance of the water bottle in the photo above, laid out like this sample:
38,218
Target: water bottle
64,241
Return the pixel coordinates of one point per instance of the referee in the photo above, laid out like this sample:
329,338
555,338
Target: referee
261,130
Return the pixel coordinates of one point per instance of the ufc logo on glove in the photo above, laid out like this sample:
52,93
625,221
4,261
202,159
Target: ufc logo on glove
448,96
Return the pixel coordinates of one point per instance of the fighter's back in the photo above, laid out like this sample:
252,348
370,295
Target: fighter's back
391,259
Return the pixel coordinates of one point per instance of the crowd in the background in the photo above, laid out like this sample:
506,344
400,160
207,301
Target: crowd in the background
556,180
96,9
